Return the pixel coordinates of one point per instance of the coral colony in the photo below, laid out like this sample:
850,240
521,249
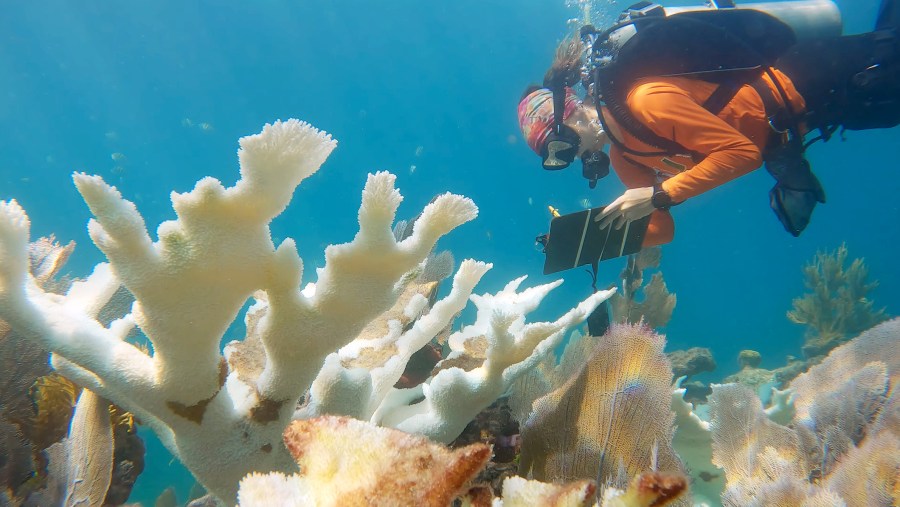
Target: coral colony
223,417
348,391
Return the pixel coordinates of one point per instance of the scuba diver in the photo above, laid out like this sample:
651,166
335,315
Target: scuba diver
692,100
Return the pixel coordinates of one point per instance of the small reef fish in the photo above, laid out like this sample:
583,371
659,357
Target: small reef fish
204,126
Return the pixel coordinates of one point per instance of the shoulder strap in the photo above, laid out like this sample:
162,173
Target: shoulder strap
726,92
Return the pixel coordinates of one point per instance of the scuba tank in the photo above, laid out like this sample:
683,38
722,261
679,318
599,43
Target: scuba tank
807,18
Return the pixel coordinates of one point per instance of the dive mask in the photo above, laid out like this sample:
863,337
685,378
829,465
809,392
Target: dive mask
560,149
562,143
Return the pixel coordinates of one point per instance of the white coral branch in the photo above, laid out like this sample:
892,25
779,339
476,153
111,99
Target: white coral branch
191,283
359,391
454,396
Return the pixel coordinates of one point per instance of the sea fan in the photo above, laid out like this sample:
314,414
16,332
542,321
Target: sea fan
611,421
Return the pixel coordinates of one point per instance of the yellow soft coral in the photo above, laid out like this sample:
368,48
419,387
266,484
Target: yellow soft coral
54,398
836,306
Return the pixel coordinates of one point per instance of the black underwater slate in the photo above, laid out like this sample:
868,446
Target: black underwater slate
576,239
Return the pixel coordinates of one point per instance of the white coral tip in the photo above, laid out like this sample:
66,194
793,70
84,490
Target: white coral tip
271,490
14,231
380,198
93,189
13,221
470,272
449,211
286,144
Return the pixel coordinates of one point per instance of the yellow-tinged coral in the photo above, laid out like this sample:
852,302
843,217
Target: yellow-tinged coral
748,446
650,489
519,492
875,345
90,460
749,359
121,417
273,489
345,462
46,258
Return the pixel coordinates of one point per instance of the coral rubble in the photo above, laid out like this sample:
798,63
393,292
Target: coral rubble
223,417
749,359
693,361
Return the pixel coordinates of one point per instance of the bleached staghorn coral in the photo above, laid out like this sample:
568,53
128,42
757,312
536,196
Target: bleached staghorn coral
190,285
501,348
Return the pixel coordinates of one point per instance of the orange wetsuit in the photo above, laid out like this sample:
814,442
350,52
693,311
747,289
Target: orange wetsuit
730,144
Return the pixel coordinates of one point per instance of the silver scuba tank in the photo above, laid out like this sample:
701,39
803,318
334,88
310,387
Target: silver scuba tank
807,18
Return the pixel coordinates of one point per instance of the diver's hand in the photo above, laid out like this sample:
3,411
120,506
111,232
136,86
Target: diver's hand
634,204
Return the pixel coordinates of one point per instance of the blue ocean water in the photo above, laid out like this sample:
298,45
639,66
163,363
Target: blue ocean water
154,95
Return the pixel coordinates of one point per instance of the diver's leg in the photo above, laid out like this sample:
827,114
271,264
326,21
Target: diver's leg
660,230
888,15
851,81
874,91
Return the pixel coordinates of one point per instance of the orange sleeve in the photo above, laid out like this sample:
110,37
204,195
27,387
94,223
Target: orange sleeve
672,113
